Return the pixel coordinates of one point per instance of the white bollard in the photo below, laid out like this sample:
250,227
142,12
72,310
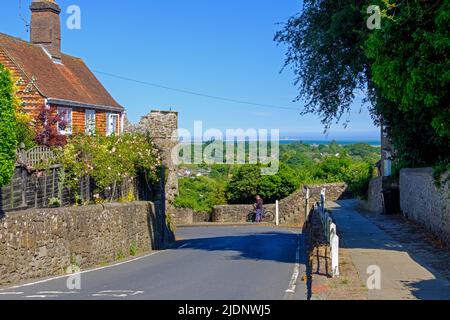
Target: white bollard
335,256
333,230
277,212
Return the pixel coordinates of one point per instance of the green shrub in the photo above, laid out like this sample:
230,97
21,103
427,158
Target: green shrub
243,186
200,194
8,137
247,182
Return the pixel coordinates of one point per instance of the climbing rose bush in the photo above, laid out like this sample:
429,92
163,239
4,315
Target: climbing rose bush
108,160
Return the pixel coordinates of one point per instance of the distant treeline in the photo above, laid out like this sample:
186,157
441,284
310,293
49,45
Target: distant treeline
299,164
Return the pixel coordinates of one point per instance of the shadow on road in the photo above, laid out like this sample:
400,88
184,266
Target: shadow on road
274,246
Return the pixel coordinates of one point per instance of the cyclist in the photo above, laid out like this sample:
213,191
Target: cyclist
259,207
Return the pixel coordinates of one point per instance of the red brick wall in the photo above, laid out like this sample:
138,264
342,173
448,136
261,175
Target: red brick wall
100,122
78,120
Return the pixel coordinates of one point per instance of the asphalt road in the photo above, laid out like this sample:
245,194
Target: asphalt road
223,263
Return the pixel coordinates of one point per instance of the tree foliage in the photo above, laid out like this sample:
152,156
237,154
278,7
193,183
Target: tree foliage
325,53
410,59
8,138
200,194
403,68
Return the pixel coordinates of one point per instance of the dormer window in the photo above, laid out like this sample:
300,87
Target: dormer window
55,60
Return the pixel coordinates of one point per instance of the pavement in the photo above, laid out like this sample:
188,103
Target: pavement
406,271
223,263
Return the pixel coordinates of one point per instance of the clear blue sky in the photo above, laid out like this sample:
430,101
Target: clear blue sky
216,47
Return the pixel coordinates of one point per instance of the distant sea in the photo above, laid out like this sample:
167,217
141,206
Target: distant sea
340,142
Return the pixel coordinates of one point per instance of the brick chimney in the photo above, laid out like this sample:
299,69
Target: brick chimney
46,26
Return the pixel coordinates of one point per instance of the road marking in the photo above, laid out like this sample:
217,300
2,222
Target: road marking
83,272
11,293
55,292
117,293
41,296
294,278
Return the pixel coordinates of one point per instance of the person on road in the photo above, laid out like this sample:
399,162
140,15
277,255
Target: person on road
259,207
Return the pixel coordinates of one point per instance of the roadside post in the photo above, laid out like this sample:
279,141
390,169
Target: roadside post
277,212
307,196
335,255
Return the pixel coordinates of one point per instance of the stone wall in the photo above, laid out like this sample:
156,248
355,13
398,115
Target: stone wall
45,242
231,213
291,209
374,201
423,202
186,216
334,191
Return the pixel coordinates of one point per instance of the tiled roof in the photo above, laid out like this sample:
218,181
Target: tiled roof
71,81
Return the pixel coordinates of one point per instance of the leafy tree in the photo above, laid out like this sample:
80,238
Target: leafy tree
404,68
326,54
248,182
8,138
332,169
243,186
356,174
279,186
200,194
411,69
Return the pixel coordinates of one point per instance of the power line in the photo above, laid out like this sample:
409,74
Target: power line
196,93
203,95
27,24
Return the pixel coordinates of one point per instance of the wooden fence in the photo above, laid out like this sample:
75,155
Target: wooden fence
30,188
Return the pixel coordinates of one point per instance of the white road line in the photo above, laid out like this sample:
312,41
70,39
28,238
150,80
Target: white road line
117,293
294,278
11,293
55,292
83,272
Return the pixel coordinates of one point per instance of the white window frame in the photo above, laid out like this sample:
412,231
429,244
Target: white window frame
109,130
90,121
69,112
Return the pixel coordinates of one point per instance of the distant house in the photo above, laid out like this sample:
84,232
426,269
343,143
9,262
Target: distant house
47,77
